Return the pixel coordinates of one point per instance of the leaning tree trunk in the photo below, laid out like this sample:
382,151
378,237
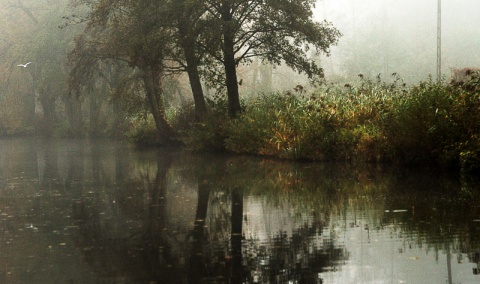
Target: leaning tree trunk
186,24
195,83
153,89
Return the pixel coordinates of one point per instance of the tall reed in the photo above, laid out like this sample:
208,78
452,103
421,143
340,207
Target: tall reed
428,123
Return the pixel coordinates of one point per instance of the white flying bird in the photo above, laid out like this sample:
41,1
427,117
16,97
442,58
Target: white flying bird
24,65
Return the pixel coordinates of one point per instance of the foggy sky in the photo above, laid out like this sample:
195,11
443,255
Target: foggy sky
401,36
379,36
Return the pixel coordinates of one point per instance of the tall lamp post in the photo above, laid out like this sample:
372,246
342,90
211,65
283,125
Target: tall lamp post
439,41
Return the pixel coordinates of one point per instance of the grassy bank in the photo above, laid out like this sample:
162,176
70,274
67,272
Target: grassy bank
429,123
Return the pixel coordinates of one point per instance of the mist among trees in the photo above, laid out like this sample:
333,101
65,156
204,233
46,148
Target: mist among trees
386,36
157,40
100,67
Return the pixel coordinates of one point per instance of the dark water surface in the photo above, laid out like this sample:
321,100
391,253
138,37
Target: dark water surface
104,212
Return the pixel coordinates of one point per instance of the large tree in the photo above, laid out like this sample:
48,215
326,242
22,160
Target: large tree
197,35
128,31
187,18
278,31
156,37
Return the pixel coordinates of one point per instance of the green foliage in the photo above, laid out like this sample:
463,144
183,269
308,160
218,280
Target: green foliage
433,122
295,127
207,135
418,124
429,123
470,162
334,123
143,131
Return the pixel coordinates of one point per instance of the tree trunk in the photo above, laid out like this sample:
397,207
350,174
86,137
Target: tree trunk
153,89
118,118
195,83
229,62
117,85
73,110
30,104
49,113
96,101
267,80
186,25
94,115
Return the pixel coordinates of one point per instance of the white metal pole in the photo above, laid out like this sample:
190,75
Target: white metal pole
439,41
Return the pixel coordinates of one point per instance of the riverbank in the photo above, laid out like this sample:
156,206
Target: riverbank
426,124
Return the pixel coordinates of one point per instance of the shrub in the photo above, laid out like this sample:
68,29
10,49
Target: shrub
417,122
143,130
207,135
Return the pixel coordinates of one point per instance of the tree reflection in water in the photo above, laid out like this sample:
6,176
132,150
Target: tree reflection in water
298,257
214,248
164,216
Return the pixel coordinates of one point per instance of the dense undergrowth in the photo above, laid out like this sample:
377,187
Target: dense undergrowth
429,123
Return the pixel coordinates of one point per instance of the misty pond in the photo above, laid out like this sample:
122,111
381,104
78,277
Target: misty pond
105,212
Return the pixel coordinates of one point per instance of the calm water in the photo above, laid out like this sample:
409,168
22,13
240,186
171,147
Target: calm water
104,212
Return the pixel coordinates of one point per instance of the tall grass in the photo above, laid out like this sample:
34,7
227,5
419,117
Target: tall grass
429,123
333,123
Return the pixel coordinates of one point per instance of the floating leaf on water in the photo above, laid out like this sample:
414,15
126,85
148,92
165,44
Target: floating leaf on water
31,226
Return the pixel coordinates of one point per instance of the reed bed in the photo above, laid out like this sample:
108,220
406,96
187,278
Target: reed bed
428,123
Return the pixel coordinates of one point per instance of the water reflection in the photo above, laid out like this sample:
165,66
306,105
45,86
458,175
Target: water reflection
104,212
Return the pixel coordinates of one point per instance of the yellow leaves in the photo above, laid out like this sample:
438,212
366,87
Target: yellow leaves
279,138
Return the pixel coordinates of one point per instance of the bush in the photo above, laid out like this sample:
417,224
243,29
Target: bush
143,130
207,135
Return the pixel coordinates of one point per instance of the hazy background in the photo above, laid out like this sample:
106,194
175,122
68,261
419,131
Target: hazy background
379,36
386,36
